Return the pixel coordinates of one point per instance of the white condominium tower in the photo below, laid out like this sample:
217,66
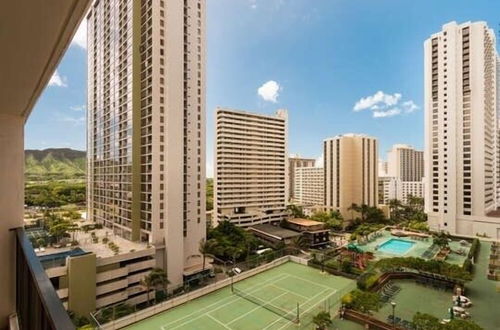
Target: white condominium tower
146,125
295,161
251,163
309,186
350,172
461,129
405,163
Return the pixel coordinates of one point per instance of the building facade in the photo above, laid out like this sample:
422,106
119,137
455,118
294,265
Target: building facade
350,172
405,163
251,166
146,125
461,129
309,185
394,188
295,161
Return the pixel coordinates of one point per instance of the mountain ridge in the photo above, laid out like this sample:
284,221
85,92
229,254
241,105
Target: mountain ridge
54,164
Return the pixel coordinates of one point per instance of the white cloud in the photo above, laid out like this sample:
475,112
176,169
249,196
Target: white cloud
409,106
384,105
82,107
319,161
57,80
74,121
269,91
377,100
253,4
386,113
80,37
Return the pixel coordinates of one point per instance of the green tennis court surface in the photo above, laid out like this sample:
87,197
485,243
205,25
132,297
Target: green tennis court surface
267,301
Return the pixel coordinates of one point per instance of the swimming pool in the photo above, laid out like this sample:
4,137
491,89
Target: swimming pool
396,246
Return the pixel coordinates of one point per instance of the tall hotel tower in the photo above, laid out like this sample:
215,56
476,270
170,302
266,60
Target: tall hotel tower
251,164
461,137
146,125
350,172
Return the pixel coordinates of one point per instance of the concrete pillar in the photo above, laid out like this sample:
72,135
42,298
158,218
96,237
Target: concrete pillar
11,206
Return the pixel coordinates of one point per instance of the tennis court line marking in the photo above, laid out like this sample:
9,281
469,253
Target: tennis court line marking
208,312
306,280
271,280
258,306
288,291
316,304
216,320
307,301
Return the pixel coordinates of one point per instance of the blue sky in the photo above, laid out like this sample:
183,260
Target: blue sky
338,66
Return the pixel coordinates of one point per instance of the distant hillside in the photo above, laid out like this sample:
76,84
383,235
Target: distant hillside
54,164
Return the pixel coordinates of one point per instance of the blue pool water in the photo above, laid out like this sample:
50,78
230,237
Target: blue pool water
396,246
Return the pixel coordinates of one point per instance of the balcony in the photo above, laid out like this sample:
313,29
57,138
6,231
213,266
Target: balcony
37,303
40,33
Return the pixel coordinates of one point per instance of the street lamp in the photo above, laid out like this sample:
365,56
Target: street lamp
393,304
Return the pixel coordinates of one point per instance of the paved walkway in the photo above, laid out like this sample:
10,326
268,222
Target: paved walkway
483,293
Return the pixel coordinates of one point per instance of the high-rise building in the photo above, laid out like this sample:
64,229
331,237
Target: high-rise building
295,161
461,129
146,125
309,185
390,187
405,163
350,172
382,167
251,164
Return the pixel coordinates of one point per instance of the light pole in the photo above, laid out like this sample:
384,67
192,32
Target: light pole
393,304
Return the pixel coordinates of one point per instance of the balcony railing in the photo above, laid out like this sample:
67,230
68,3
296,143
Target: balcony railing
38,306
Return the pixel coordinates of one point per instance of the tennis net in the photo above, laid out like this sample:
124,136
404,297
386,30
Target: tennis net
289,315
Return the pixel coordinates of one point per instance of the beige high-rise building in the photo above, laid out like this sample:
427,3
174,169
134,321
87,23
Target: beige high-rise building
350,172
251,164
146,126
461,129
405,163
309,185
295,161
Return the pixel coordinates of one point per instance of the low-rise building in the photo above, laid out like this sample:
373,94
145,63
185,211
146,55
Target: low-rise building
274,235
314,231
103,270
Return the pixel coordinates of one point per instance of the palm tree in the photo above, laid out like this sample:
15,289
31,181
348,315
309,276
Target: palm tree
159,279
354,208
322,320
394,207
147,283
300,242
154,279
207,248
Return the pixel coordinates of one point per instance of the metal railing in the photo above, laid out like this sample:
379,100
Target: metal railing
38,306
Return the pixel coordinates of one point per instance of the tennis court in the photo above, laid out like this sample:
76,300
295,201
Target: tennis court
271,300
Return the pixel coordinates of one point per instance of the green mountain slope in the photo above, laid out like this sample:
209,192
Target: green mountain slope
54,164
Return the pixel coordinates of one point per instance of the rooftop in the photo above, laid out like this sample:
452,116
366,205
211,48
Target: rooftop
305,222
89,243
278,232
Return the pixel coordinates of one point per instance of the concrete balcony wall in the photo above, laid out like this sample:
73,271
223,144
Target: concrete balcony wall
11,205
57,271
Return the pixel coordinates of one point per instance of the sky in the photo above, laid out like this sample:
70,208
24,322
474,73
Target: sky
337,66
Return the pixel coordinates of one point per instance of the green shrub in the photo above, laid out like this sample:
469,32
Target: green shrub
362,301
474,248
467,266
431,266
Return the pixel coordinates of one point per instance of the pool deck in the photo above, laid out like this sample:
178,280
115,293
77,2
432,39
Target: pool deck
417,250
